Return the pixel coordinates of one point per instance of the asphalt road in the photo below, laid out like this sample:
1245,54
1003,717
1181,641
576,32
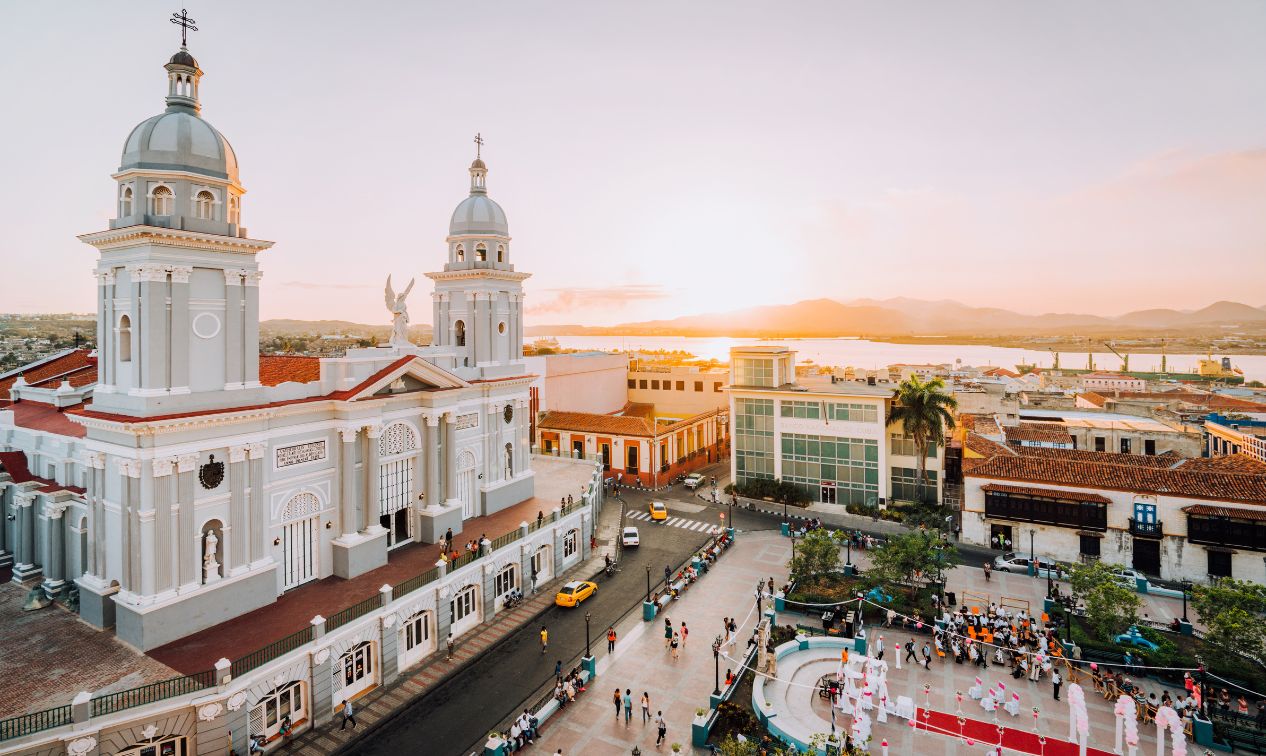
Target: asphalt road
456,717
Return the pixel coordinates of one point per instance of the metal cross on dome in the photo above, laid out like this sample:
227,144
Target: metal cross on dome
186,25
479,145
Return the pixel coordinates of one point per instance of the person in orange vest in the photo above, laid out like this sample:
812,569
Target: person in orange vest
610,639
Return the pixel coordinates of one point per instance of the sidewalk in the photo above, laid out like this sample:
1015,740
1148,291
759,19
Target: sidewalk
382,702
641,663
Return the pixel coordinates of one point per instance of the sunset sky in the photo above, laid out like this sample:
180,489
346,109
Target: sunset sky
658,159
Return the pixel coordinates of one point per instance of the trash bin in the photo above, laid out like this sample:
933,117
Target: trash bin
950,598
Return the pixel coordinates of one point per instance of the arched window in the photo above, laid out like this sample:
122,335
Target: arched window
125,202
463,605
501,253
506,580
125,339
481,253
461,253
275,707
162,200
205,204
459,333
233,210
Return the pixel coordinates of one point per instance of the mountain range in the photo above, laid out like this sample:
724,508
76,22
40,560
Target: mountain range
902,316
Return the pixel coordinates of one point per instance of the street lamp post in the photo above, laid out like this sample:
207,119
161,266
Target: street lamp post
716,658
648,584
1186,586
588,616
1032,553
848,549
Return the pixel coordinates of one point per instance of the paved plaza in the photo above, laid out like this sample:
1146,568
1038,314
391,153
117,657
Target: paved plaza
641,663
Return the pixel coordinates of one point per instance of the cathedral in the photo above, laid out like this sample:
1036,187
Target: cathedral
176,478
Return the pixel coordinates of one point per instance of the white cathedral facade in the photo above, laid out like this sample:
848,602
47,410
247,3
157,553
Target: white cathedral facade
180,479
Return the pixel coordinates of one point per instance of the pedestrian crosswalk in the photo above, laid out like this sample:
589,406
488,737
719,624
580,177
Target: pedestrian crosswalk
676,522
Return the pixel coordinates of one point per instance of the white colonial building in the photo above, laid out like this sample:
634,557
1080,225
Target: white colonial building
179,478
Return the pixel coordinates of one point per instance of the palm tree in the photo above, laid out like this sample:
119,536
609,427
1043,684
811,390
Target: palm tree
925,412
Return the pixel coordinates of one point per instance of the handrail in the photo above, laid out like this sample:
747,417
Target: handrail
414,583
36,721
353,612
507,539
262,656
108,703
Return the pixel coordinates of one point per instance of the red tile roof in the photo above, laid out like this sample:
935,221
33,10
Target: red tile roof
1241,463
584,422
1122,474
14,463
84,376
1198,399
64,364
983,446
1051,433
1047,492
1239,514
275,369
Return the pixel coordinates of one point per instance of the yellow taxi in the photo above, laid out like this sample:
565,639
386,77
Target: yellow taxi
659,511
574,592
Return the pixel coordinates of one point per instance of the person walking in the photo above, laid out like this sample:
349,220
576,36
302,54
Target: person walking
668,631
668,576
646,708
910,651
558,669
988,571
628,705
676,644
611,639
449,644
616,699
662,726
927,656
1056,681
348,715
544,640
684,632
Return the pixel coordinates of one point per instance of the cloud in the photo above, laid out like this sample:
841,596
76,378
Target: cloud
316,285
607,297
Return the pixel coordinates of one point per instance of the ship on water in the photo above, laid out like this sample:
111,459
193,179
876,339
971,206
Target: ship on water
1208,370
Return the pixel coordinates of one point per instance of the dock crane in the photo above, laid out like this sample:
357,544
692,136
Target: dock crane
1125,358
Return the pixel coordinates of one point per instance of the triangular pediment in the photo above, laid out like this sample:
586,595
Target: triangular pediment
407,376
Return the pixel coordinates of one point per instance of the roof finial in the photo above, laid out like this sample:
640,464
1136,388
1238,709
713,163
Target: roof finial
479,144
186,25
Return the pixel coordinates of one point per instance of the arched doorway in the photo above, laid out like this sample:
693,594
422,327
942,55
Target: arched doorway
354,673
543,565
465,610
466,490
275,707
417,638
397,453
300,519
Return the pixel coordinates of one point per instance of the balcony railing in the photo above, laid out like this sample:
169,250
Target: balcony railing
1064,514
1226,532
1146,529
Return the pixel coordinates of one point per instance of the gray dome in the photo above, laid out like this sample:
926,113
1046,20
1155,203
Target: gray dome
181,141
183,58
477,214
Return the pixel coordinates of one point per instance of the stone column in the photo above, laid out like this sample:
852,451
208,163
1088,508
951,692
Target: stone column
250,346
55,563
24,536
473,335
164,482
347,481
188,553
6,556
97,520
233,375
494,457
237,530
105,327
450,458
483,320
444,325
437,333
431,450
370,508
518,325
180,329
257,504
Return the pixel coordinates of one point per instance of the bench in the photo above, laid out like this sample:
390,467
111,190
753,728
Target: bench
1249,740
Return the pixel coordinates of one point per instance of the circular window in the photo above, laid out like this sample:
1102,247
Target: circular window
206,325
501,328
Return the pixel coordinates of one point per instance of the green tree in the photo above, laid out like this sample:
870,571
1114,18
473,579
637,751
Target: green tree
818,553
1110,606
1232,610
926,413
910,560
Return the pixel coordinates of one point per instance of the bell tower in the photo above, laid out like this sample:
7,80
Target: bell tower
478,299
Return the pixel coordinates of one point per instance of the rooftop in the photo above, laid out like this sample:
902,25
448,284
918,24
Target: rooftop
821,384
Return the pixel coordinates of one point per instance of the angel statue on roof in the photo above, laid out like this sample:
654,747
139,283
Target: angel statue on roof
399,313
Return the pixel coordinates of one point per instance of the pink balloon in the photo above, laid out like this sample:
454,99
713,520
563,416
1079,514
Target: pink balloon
971,742
919,625
910,722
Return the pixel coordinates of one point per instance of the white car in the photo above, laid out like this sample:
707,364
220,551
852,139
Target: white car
693,481
1012,562
630,537
1127,576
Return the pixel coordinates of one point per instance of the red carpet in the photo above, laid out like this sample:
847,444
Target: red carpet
985,733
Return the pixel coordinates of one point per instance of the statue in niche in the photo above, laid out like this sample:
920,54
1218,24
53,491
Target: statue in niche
210,567
399,313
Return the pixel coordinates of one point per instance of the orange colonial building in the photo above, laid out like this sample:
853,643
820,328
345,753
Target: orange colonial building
636,444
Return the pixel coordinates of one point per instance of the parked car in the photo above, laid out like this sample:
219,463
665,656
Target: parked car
574,592
693,481
659,511
1012,562
630,537
1127,576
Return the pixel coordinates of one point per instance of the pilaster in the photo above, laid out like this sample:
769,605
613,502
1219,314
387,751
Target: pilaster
164,495
238,528
187,552
347,481
260,518
234,378
370,509
250,350
180,328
